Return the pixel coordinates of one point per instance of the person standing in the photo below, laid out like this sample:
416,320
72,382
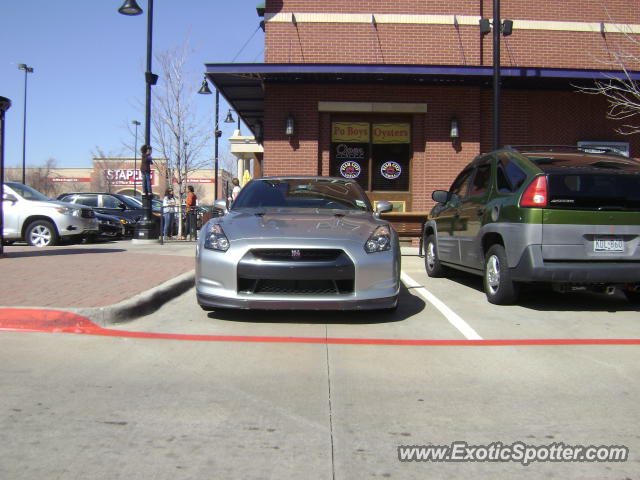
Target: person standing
168,211
145,168
192,202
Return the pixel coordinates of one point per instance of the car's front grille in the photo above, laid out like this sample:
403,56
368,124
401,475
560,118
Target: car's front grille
304,254
295,287
305,271
87,213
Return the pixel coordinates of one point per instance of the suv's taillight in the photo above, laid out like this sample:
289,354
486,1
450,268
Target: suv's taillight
536,194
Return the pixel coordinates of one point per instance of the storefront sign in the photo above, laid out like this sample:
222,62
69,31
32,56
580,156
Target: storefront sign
391,170
391,133
195,180
350,169
126,176
69,179
349,132
350,152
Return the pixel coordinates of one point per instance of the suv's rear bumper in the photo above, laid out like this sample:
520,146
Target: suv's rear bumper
533,268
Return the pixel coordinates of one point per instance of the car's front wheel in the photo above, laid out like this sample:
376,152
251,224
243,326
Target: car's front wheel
498,286
431,261
42,233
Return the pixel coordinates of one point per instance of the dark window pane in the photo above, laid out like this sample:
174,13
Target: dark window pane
390,167
594,192
481,180
88,200
461,184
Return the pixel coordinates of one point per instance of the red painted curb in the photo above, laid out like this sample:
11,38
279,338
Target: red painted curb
55,321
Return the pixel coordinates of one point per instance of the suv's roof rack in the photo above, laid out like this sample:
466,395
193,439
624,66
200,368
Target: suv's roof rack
572,148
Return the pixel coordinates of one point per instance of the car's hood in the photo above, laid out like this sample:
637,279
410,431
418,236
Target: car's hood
303,223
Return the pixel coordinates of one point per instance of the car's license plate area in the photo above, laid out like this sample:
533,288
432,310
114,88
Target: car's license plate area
608,244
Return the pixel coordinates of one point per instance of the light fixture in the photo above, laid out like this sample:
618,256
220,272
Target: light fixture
229,118
204,89
485,26
454,130
507,27
257,130
130,7
289,128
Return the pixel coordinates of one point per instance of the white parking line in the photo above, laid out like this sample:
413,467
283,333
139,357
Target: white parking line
453,318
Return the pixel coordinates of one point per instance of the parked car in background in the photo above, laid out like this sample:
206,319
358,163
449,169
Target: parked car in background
110,228
310,243
551,215
32,217
156,205
127,210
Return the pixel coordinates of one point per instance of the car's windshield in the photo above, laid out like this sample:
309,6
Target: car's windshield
28,193
326,193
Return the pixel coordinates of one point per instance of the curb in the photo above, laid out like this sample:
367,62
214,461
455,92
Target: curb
141,304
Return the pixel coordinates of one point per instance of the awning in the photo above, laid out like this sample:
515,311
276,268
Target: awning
242,84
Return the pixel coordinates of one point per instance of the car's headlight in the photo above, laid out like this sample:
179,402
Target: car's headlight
215,239
379,241
68,211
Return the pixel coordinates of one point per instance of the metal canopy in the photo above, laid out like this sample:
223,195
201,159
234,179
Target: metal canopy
242,84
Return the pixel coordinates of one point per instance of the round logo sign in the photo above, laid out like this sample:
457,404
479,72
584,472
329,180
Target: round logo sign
350,169
391,170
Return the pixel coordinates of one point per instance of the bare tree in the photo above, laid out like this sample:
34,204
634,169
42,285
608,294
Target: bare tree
178,134
40,178
102,163
621,91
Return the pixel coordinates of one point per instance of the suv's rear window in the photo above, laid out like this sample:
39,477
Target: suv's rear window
594,191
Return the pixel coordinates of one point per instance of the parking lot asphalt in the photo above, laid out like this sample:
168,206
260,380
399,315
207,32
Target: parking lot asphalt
107,282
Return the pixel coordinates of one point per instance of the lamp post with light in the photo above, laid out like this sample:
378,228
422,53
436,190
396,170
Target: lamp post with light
204,90
5,104
27,70
146,228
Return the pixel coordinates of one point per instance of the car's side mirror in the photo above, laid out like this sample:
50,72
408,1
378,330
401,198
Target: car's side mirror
220,204
7,197
383,207
123,206
440,196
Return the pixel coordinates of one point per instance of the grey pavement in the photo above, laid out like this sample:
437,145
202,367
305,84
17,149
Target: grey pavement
107,282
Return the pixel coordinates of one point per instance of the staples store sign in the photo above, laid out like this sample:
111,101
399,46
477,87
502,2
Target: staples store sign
126,176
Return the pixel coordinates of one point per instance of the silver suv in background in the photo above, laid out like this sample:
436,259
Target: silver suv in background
40,221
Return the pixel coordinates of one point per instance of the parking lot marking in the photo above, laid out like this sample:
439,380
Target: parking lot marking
56,321
453,318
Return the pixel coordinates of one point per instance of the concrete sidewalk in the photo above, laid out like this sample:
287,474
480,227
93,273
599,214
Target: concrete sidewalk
107,282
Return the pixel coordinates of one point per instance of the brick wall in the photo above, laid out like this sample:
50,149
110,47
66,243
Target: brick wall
317,42
529,117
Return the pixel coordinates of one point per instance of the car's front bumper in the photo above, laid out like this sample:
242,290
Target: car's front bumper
363,281
533,268
71,226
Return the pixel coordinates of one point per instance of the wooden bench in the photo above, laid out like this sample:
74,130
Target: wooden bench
407,224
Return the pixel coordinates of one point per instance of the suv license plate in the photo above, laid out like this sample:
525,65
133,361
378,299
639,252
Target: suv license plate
608,245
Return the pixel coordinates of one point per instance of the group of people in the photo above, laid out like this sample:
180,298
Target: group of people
169,210
169,202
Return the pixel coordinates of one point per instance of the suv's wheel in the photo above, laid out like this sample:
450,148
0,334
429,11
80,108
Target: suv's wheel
633,296
498,286
41,233
431,261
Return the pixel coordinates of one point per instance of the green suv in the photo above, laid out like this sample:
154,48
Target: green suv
557,215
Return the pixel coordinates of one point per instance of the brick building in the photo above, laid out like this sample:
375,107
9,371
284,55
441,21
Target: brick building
373,90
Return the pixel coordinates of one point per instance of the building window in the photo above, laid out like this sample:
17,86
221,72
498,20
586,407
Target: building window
376,155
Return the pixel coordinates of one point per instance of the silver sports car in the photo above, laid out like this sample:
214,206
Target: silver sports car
308,243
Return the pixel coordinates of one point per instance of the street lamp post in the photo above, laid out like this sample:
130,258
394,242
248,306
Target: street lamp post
204,89
27,70
5,104
135,159
145,228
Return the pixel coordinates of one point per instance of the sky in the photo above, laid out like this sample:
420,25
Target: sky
88,80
